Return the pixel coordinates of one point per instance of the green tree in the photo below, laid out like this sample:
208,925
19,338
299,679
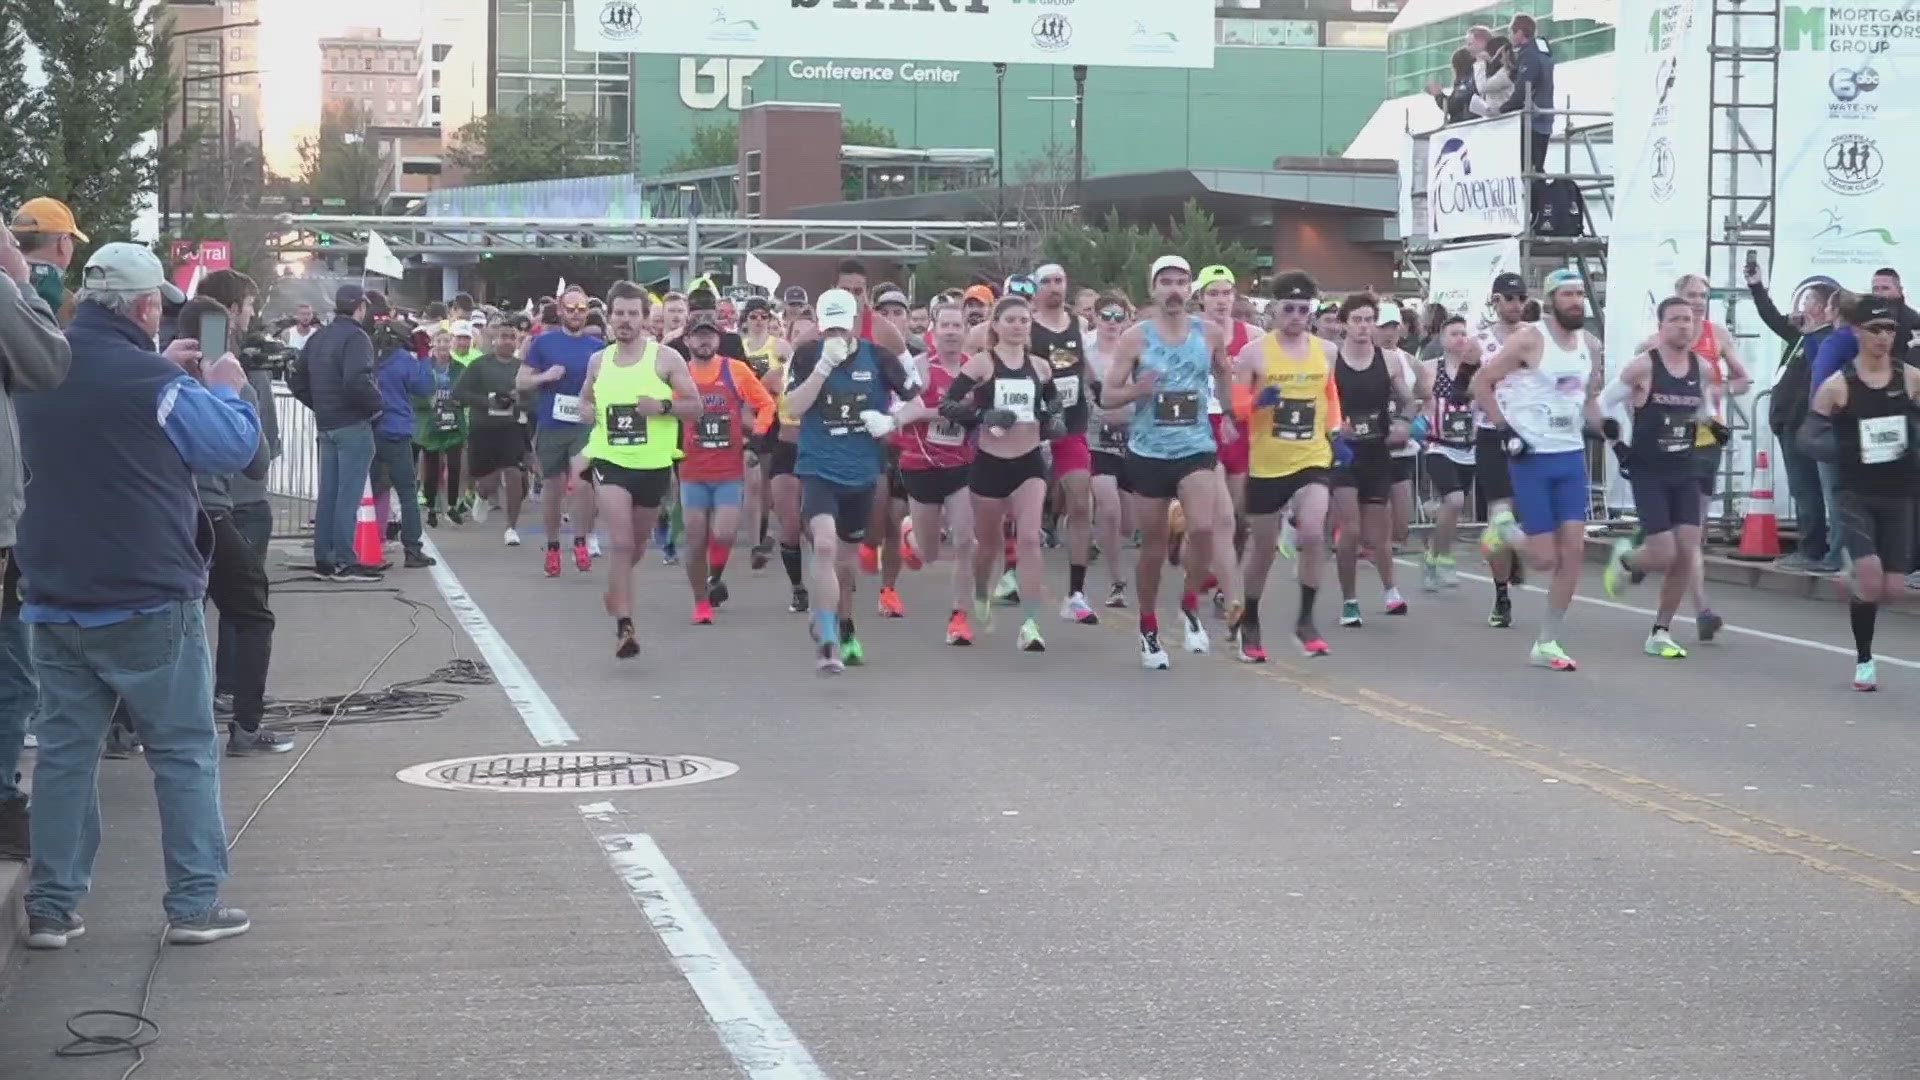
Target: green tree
945,268
539,140
1102,255
710,146
1196,235
340,163
107,89
22,133
866,133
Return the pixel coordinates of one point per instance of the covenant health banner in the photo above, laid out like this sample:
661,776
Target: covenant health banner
1107,33
1474,182
1461,277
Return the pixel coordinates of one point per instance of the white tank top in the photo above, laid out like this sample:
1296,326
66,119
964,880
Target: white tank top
1410,373
1543,403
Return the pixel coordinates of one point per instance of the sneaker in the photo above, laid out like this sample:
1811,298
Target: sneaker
1220,605
52,931
593,547
798,601
122,743
1430,574
890,606
626,646
1396,604
582,555
1312,645
1865,678
1549,654
481,508
1076,609
321,572
958,632
456,516
1793,561
223,704
1913,580
852,653
418,560
717,592
1502,616
702,613
511,537
983,613
1828,565
1197,641
908,557
260,741
1498,535
1660,643
1289,541
1350,613
762,553
1708,623
1449,571
1030,639
1152,656
433,519
15,842
1117,595
1007,589
551,562
220,922
1250,651
358,572
1615,577
869,559
669,556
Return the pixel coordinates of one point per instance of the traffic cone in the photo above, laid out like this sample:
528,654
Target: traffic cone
366,531
1760,531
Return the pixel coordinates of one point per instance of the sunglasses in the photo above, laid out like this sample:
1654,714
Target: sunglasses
575,307
1113,315
1295,309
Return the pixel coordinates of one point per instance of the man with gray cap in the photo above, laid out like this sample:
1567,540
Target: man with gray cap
113,557
338,362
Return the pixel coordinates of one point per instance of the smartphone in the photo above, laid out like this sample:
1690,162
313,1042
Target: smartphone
1753,260
213,335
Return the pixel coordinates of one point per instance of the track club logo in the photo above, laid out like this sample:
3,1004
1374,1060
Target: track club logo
620,19
1661,170
1854,164
1052,32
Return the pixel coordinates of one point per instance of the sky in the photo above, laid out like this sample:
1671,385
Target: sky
290,61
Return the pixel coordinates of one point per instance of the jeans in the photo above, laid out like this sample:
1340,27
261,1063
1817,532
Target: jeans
19,692
346,456
255,522
237,585
1809,501
157,663
393,471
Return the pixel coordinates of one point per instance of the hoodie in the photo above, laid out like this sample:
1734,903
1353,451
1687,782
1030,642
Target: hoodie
401,377
33,356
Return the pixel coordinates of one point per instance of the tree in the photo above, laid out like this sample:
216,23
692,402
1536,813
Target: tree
339,162
107,89
866,133
710,146
22,133
230,183
539,140
945,268
1195,235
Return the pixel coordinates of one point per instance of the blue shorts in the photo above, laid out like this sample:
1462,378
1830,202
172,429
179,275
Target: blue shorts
710,495
1549,490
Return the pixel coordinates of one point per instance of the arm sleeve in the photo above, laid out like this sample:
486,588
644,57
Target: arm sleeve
894,370
1770,314
756,394
802,364
35,353
215,430
1334,416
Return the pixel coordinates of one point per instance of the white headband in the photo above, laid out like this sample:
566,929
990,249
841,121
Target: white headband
1049,270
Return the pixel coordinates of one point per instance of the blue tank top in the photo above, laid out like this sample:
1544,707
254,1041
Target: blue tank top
1171,422
834,445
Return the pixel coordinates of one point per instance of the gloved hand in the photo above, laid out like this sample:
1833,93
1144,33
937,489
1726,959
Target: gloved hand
1512,442
1342,453
878,424
834,352
999,419
1267,398
1722,434
1610,429
1621,453
1417,431
503,400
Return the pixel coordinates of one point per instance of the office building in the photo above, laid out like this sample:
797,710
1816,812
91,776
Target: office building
376,75
215,65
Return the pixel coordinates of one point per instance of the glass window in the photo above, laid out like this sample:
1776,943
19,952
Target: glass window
440,52
436,77
548,43
436,105
1356,35
512,42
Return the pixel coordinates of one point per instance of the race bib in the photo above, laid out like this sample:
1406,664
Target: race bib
1368,426
1068,387
944,432
446,415
1016,396
566,408
1675,435
1294,419
1176,408
841,410
713,431
1112,438
500,410
625,426
1883,439
1563,417
1456,425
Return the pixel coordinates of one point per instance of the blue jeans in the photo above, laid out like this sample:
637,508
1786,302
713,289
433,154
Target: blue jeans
19,693
393,470
346,456
157,664
1809,500
254,520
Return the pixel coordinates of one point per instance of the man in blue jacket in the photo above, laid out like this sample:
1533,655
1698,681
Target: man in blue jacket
113,550
338,359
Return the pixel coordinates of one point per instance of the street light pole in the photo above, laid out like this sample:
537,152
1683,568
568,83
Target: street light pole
1079,138
1000,150
161,168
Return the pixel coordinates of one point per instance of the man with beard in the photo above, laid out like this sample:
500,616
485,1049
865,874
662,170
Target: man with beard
713,474
556,367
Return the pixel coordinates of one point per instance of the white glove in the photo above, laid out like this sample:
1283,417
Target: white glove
834,352
879,424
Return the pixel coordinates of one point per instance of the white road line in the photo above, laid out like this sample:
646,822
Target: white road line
536,709
1764,635
760,1042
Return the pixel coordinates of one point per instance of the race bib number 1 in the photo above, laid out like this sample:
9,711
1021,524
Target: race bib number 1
1176,408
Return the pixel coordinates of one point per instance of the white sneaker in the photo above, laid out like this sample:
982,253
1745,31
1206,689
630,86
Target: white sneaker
1152,656
481,508
1076,609
593,546
1197,641
512,538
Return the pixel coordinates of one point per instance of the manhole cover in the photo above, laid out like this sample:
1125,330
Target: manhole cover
567,773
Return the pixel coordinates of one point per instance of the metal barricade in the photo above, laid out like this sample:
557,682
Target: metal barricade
293,482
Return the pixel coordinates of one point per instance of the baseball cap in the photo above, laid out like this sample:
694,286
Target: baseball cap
1389,314
794,295
461,328
128,268
1165,263
837,310
891,296
1509,284
981,293
753,304
348,297
1870,308
44,215
1560,279
1210,274
703,319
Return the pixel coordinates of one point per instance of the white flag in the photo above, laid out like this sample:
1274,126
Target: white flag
759,273
381,259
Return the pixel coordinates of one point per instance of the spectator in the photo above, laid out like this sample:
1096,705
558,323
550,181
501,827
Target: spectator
33,356
1435,323
303,328
1886,285
1493,79
47,236
460,308
1533,86
401,377
1456,101
1787,409
113,452
1841,345
345,401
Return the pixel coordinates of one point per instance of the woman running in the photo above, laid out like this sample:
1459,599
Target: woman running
936,461
440,433
1107,438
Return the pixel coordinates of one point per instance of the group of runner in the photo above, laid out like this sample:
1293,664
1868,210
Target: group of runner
884,438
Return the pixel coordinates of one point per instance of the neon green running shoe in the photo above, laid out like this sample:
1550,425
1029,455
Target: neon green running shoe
1030,640
851,654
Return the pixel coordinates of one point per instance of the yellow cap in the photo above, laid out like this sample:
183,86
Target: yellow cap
1210,274
45,215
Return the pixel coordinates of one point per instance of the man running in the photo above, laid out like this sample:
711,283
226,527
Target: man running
1168,368
1491,480
633,398
1216,290
1057,338
838,386
1293,402
889,554
556,366
1538,391
1666,388
1450,446
1387,334
713,472
1373,396
936,460
496,439
765,352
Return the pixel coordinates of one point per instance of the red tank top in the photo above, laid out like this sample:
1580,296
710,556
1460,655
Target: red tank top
938,443
866,326
713,441
1708,349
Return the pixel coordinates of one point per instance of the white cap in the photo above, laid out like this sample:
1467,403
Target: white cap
1168,262
124,267
1389,314
837,310
462,328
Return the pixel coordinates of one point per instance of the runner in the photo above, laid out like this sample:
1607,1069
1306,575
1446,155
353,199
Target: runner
1057,338
782,455
1387,334
1862,421
1107,443
976,301
1215,288
890,498
1450,450
496,440
765,352
1008,393
713,472
1666,389
1499,539
936,459
1373,395
838,386
1167,368
633,398
440,432
556,367
1327,322
1294,404
1535,392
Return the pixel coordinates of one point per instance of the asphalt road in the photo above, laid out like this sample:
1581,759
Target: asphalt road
1417,857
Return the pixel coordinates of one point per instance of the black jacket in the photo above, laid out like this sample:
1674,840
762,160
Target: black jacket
339,363
1457,102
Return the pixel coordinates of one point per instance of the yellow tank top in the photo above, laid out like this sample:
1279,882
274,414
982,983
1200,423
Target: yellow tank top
621,435
1292,435
788,421
764,358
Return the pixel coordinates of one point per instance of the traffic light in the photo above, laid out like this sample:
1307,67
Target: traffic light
326,239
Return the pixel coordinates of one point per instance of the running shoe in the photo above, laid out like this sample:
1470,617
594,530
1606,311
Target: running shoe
1549,654
1396,604
1197,641
1289,540
1117,595
1152,656
1613,577
1709,624
1236,611
1865,678
552,562
1502,616
798,602
826,646
702,613
593,546
762,552
869,559
626,647
670,556
582,556
1660,643
908,557
1430,573
1350,613
1250,651
481,509
958,632
717,593
457,516
1311,643
1007,589
511,538
851,652
1076,609
1030,640
1498,535
433,518
890,606
1449,571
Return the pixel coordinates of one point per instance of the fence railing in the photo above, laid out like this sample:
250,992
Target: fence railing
293,482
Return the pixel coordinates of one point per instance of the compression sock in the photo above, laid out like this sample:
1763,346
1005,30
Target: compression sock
1149,623
716,561
1307,594
1252,614
1076,579
790,558
1862,615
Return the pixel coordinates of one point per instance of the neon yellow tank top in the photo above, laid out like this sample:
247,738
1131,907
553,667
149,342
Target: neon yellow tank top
621,435
1292,435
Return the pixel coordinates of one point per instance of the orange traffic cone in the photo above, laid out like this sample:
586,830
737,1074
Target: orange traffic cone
366,531
1760,532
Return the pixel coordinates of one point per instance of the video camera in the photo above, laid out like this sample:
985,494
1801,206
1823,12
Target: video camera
262,353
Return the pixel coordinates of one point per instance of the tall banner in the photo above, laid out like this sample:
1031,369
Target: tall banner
1122,33
1462,276
1474,182
1662,135
1848,144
